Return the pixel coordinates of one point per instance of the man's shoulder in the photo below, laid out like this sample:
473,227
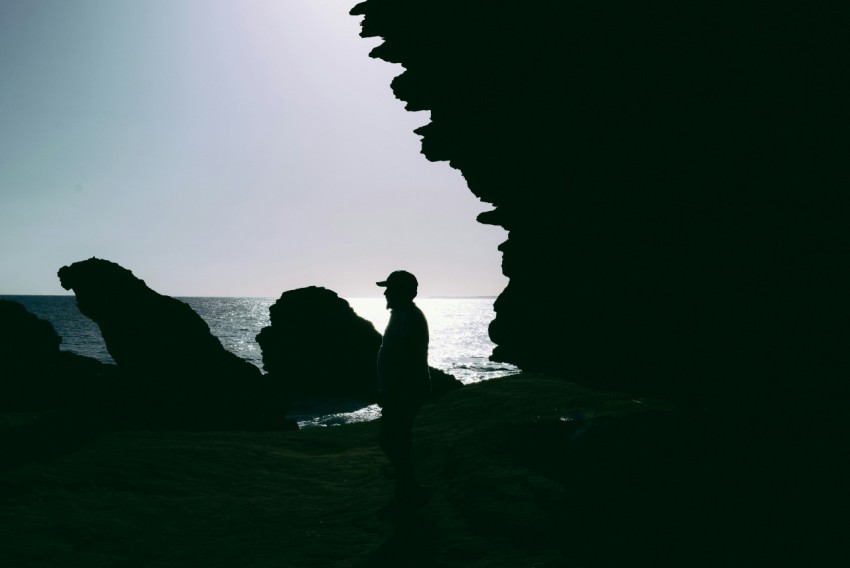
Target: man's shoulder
417,311
410,314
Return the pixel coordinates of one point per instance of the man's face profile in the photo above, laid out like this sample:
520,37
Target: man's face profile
396,296
391,294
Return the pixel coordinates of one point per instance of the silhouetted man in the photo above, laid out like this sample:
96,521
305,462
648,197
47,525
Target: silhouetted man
404,383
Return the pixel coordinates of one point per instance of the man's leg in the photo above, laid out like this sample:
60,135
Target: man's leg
396,432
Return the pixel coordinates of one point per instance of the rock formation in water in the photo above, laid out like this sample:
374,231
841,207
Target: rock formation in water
319,347
672,176
178,373
36,375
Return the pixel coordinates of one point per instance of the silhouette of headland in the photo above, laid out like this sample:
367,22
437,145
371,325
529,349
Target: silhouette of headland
673,177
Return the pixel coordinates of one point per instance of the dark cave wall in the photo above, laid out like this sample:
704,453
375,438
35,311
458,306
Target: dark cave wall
673,178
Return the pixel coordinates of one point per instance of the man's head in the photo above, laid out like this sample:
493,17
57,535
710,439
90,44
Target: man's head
401,286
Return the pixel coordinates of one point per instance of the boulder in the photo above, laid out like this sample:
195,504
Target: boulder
35,374
178,373
319,347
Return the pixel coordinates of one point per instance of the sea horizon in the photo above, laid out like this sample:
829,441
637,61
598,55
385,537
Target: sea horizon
484,297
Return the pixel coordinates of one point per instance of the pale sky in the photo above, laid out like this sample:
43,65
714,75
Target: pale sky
221,148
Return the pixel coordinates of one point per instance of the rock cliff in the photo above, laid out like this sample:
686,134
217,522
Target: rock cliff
672,177
178,373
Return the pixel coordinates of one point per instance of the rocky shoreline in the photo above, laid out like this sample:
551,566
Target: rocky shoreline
172,373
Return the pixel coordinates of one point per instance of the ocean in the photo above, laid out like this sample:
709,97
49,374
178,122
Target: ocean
458,326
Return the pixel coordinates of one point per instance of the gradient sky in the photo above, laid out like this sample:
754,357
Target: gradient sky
221,148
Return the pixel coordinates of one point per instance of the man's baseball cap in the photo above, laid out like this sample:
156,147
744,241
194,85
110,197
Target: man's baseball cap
400,279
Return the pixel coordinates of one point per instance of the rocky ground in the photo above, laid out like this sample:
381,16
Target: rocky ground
526,471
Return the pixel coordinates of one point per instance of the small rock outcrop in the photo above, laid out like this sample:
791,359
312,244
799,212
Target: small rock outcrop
319,347
178,373
36,375
443,382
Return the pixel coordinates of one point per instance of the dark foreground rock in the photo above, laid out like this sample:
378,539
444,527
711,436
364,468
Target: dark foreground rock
526,471
318,346
178,373
35,374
